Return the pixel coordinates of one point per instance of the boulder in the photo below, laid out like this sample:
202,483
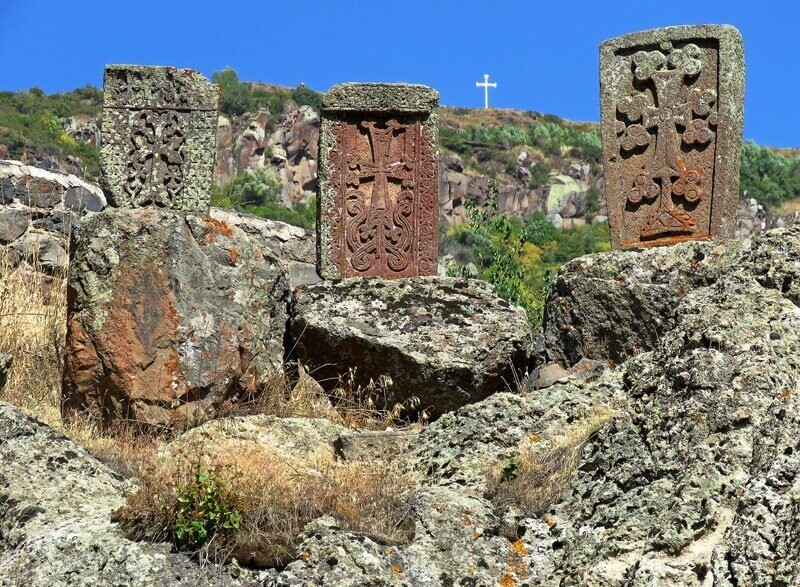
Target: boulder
446,341
294,246
42,250
299,442
169,314
615,305
13,224
55,528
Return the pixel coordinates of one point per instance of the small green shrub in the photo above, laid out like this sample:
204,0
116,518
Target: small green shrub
253,187
200,512
305,96
540,173
237,97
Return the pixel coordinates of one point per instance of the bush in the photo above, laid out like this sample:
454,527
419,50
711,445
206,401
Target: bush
237,97
248,502
258,192
200,513
767,176
519,259
302,215
305,96
256,187
540,173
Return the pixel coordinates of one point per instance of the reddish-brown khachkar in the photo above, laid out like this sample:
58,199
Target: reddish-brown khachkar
378,181
672,133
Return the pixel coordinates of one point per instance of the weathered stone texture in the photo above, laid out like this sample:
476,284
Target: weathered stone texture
672,103
37,211
169,315
378,181
55,528
159,137
446,341
616,306
690,478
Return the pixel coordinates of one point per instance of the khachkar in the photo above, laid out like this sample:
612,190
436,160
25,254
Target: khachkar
378,181
672,131
158,137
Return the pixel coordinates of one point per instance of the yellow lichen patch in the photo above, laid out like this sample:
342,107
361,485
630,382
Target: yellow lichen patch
507,581
519,547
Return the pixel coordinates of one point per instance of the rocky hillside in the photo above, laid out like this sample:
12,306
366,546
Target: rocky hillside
541,162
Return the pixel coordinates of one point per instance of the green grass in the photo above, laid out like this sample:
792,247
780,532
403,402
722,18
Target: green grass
31,122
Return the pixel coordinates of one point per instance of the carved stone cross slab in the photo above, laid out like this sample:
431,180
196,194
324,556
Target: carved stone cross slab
378,181
672,132
158,137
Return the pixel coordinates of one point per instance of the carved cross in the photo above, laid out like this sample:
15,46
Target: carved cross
380,169
666,173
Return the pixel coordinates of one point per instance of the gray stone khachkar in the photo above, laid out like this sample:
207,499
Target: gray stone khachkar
378,181
672,131
158,137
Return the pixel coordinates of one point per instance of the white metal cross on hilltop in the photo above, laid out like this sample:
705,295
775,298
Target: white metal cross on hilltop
485,85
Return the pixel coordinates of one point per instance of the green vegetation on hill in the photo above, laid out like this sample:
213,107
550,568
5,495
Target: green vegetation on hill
770,177
257,192
518,258
32,122
239,97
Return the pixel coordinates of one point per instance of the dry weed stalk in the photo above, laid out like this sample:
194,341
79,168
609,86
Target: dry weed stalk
534,478
32,330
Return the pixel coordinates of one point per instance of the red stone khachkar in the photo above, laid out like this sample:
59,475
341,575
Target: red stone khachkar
378,182
672,122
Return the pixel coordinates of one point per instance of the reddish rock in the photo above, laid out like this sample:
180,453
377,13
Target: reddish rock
169,315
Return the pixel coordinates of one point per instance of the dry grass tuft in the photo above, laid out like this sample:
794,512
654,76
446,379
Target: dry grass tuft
348,404
32,330
262,502
539,473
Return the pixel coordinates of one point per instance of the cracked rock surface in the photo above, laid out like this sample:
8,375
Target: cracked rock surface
692,480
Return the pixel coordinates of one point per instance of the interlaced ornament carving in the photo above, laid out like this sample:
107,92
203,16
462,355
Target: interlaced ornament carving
382,220
666,117
155,158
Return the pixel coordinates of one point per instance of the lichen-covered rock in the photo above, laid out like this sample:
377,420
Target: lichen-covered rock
690,478
169,314
446,341
294,246
55,502
296,441
613,306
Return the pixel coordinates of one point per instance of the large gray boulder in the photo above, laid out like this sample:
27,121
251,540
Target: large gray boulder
686,468
613,306
446,341
55,528
169,315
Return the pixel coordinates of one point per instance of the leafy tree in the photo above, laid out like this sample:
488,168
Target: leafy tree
237,97
305,96
248,188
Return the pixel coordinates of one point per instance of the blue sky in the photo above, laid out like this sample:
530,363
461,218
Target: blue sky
543,54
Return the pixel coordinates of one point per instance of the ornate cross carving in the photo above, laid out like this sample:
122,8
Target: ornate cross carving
158,137
379,231
680,117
